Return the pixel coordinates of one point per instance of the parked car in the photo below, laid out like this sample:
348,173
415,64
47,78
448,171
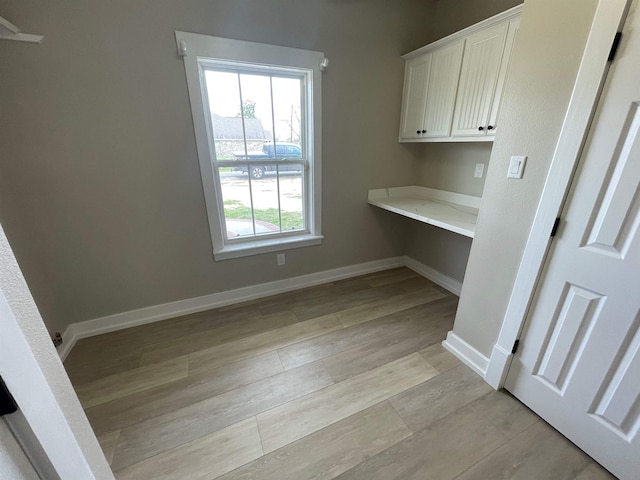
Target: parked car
283,151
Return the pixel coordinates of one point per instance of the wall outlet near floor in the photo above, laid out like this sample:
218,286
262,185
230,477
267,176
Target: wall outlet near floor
479,170
280,258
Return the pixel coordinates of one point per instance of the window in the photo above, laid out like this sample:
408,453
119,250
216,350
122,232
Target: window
256,114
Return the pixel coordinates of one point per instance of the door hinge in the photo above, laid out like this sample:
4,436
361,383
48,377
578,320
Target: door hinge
554,230
614,46
7,403
515,346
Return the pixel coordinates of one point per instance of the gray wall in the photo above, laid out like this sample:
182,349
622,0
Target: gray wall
454,15
544,66
450,166
100,193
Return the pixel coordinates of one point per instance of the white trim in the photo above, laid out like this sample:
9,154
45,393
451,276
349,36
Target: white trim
196,50
156,313
468,355
51,419
498,367
608,19
37,402
267,245
439,278
462,34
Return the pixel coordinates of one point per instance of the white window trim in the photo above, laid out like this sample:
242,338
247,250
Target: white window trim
191,47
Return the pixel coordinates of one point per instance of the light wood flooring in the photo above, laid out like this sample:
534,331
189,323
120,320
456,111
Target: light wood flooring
345,380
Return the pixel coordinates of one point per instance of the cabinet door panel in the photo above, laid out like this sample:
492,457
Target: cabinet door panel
414,97
478,78
512,33
443,83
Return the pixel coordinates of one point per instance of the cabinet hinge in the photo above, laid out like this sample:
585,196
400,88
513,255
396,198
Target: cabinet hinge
515,346
554,230
7,403
614,46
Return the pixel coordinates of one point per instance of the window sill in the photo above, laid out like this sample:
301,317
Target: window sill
267,245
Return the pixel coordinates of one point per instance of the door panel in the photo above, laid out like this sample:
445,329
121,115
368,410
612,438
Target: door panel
579,362
615,220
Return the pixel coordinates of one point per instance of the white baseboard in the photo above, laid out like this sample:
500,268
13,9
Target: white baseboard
451,284
119,321
466,354
498,367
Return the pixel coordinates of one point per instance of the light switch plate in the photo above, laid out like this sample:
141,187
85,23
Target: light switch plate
280,259
516,166
479,170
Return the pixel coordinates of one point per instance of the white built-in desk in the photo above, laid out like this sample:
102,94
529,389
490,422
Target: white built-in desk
452,211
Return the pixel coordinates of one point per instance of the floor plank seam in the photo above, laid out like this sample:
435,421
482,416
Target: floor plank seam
280,359
255,418
329,371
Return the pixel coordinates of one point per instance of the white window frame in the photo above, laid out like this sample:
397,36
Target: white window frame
196,50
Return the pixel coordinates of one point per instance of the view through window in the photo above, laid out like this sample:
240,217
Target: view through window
259,133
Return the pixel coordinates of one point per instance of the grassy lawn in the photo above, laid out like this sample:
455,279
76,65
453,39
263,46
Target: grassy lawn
290,220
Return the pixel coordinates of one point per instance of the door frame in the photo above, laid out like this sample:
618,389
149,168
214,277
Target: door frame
594,66
50,423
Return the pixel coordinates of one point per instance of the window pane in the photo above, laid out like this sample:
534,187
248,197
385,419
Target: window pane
237,203
265,200
250,112
224,102
287,93
291,200
258,116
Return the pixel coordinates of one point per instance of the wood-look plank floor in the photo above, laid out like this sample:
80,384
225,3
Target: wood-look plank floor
345,380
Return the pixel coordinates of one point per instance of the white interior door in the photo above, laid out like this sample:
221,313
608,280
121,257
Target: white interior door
578,365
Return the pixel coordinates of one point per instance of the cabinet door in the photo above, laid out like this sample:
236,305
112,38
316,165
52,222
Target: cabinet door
478,78
414,97
441,92
512,33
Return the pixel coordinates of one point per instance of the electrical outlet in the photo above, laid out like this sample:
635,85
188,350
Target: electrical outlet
479,170
280,258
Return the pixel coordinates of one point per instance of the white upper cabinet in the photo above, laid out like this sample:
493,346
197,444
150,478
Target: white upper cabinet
453,87
512,32
441,94
429,93
416,76
478,79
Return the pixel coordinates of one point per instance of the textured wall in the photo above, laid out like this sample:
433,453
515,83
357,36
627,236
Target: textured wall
40,384
13,462
100,192
544,66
